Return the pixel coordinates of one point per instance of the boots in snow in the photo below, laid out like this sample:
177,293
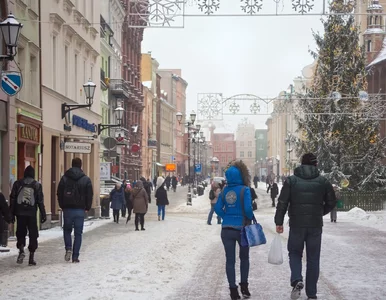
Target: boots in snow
21,256
76,260
244,290
143,229
297,289
31,261
235,294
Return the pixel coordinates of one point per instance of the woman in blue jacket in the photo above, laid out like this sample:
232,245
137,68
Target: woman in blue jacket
117,198
234,217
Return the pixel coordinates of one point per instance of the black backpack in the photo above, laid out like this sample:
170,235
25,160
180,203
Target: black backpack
212,195
71,193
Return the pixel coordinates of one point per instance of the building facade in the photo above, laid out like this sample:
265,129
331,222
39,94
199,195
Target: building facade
246,145
261,151
111,85
149,69
223,148
131,90
71,58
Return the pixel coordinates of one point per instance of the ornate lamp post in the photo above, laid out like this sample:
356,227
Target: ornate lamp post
189,124
10,30
118,115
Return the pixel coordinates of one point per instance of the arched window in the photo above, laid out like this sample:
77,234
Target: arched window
368,46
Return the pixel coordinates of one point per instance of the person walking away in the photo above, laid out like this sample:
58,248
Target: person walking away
117,199
140,201
155,182
147,187
174,182
255,181
167,182
274,191
161,198
26,197
129,204
213,197
308,196
5,213
234,217
334,211
75,194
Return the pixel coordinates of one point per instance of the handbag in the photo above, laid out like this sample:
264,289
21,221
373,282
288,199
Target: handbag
254,205
339,204
252,234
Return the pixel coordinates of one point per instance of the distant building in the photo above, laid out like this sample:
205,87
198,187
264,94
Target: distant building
261,151
246,145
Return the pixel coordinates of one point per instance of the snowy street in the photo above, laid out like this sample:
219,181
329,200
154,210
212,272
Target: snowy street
183,258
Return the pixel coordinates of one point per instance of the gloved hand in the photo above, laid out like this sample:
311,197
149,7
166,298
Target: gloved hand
43,219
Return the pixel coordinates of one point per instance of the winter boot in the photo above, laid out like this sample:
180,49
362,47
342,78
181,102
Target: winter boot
21,256
297,289
143,228
76,260
31,261
235,293
244,290
159,218
312,297
68,255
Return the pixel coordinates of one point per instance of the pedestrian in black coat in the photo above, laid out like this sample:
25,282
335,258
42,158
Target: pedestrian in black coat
147,187
161,198
274,191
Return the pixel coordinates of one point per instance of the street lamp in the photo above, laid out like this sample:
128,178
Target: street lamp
118,115
89,90
179,117
10,29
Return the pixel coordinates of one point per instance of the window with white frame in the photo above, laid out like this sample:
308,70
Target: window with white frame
249,154
241,153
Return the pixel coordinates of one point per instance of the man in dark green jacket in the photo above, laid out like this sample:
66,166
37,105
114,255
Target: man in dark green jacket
308,196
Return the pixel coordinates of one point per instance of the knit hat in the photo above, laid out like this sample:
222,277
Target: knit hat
29,172
309,159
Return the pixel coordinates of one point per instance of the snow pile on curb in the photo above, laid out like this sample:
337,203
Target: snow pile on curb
200,204
54,233
359,216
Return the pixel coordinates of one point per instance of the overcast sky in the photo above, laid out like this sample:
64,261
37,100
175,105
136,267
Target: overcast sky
236,55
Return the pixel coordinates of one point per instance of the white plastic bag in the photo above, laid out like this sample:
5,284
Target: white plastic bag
275,255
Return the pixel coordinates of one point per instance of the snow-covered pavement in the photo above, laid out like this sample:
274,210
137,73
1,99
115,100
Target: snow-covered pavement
183,258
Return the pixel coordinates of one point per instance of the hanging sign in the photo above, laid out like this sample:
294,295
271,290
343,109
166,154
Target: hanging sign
11,82
170,167
74,147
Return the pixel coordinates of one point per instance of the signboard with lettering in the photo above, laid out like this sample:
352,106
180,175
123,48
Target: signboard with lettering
105,172
29,133
75,147
83,123
170,167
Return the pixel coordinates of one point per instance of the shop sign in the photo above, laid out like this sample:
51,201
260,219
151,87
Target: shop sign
152,144
30,133
74,147
135,148
170,167
83,123
105,172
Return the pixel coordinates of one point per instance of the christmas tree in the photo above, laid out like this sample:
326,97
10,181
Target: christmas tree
336,119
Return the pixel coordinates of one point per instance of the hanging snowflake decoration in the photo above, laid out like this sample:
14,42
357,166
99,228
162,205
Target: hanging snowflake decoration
209,6
158,12
303,6
251,6
209,106
255,108
234,108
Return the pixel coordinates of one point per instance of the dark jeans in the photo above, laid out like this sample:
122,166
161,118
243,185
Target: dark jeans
229,238
73,218
210,216
312,238
29,223
139,218
123,212
161,210
116,215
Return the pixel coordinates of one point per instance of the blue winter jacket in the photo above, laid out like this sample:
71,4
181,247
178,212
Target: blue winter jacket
228,205
117,198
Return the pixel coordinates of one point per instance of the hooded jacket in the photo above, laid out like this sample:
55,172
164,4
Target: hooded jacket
161,194
27,210
139,198
85,189
228,205
308,196
117,198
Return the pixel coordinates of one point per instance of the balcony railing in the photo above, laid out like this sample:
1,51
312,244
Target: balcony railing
119,87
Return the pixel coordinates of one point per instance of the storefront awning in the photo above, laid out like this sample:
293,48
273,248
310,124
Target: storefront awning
159,164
